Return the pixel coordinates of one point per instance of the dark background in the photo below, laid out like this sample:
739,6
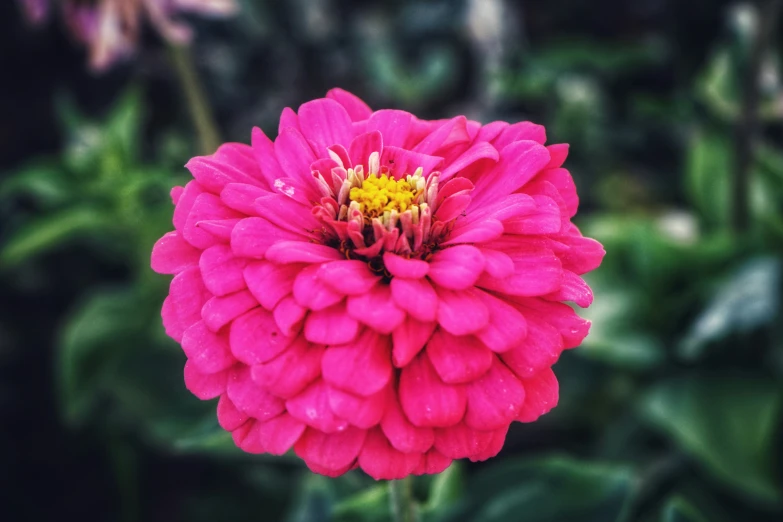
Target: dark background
671,409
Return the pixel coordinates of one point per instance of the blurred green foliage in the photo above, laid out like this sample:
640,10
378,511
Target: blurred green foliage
670,411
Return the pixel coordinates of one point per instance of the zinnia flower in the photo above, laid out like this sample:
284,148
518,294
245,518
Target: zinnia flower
110,28
375,290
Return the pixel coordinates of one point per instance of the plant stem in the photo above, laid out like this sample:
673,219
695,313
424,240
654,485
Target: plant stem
747,126
401,501
198,105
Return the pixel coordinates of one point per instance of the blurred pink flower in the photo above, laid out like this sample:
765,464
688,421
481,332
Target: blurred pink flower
375,290
110,28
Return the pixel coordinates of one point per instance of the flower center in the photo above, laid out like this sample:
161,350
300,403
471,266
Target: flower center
380,194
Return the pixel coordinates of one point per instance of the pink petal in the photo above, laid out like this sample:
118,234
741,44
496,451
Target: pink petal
310,292
286,214
497,264
480,232
408,340
584,254
572,328
279,434
377,309
289,316
172,254
246,438
207,351
495,399
432,463
357,109
269,282
394,125
558,154
185,203
288,118
523,130
301,252
221,270
542,392
264,150
293,153
332,451
561,179
477,152
519,162
229,416
331,473
460,441
255,338
221,310
426,400
204,385
206,207
452,207
493,446
220,229
415,296
403,435
407,268
544,219
176,193
312,407
402,161
326,123
458,359
540,349
253,236
507,327
290,372
214,175
537,271
171,321
364,145
362,366
348,277
330,326
381,461
456,268
188,295
362,412
248,397
451,187
462,312
444,136
573,288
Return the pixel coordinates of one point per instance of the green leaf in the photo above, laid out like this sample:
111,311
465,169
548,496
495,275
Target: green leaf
446,489
314,502
368,505
727,424
748,300
45,183
552,489
48,232
680,510
707,175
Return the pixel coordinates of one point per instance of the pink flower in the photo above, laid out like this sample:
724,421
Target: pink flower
110,28
375,290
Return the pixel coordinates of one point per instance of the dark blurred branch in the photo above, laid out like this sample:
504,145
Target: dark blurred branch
198,105
747,125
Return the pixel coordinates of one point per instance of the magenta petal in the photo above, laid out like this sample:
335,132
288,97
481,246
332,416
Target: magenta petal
221,310
289,316
311,406
185,203
409,338
229,416
221,270
495,399
480,232
269,282
204,385
357,109
253,236
301,252
426,400
572,328
246,437
377,309
325,122
279,434
537,271
461,312
458,359
456,268
432,463
519,163
382,462
290,372
497,264
248,397
558,154
540,349
407,268
311,292
172,254
542,391
170,320
264,150
286,214
206,207
348,277
330,326
220,229
214,175
493,445
452,207
415,296
523,130
362,366
364,145
478,151
362,412
544,219
255,338
403,435
394,125
448,134
402,161
573,288
333,451
288,118
507,326
207,351
460,441
294,153
187,295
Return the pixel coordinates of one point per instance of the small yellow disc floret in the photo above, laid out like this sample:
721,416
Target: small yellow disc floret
379,194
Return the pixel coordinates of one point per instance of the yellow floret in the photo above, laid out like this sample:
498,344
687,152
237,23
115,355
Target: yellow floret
383,194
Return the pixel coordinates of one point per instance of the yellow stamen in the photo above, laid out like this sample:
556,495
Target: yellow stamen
380,194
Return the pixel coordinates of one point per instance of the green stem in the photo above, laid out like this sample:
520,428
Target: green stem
401,501
198,105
